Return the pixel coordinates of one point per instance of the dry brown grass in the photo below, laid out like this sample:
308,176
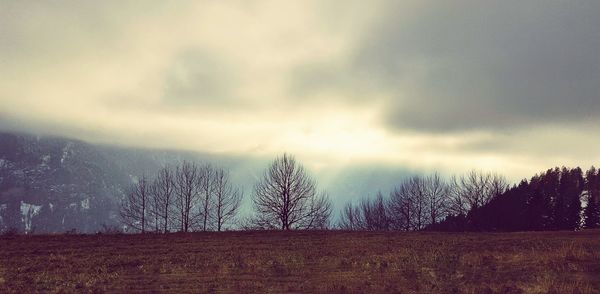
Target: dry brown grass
549,262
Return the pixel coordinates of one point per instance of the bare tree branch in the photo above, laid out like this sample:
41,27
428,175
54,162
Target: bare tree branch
286,198
135,207
227,198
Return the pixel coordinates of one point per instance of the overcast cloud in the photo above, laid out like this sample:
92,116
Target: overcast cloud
511,86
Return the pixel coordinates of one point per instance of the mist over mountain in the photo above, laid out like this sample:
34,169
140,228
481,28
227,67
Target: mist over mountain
52,184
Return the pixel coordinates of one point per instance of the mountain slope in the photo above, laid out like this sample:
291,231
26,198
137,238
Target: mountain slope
52,184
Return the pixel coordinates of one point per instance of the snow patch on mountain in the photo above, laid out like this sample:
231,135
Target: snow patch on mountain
65,152
45,161
85,203
2,209
28,211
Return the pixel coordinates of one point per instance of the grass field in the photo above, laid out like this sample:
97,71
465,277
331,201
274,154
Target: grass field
545,262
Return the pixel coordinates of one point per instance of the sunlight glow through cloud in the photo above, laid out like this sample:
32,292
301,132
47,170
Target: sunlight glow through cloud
335,82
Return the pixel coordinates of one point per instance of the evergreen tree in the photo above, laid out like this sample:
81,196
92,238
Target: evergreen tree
538,205
575,207
592,210
572,198
554,204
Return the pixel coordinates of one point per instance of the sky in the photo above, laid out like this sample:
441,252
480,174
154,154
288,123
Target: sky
506,86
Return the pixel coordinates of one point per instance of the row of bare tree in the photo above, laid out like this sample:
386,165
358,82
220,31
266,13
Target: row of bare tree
190,197
421,201
187,197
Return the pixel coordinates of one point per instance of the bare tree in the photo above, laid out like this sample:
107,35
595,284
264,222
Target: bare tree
417,188
154,208
186,194
351,218
401,207
474,190
227,198
498,185
374,213
135,206
163,191
206,187
458,204
318,213
437,193
286,198
408,204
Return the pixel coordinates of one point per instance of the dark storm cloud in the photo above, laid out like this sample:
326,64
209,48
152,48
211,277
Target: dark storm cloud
465,65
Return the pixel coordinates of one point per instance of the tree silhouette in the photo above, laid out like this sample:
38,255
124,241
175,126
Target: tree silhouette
206,187
375,215
135,207
406,204
436,194
572,185
163,192
227,198
351,218
187,192
286,198
549,201
592,209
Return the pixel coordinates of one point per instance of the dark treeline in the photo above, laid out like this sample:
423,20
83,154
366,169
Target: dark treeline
549,201
480,201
